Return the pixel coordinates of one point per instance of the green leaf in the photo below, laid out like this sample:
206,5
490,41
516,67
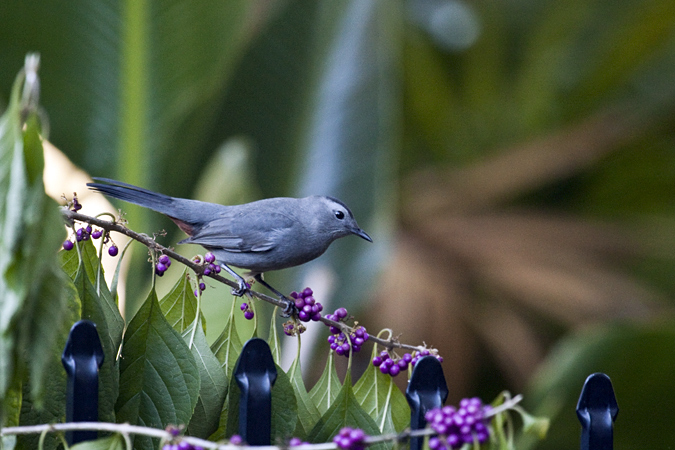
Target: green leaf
284,408
382,400
180,304
114,442
273,339
308,414
213,388
326,389
32,288
159,378
228,346
344,412
71,260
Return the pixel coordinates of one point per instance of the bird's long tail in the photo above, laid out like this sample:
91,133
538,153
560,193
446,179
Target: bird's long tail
134,194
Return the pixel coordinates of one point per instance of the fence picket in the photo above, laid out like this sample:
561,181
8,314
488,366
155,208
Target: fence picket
82,357
426,390
597,410
255,374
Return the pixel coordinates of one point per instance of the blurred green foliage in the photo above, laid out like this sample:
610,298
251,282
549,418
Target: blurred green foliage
416,114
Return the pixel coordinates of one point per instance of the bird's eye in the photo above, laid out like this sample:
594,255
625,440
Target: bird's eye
340,215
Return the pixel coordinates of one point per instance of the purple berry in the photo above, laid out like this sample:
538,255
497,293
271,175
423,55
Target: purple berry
209,257
164,259
236,439
202,286
341,313
96,234
113,250
216,268
68,245
377,361
207,271
244,306
402,364
407,357
161,268
307,292
394,370
302,315
248,315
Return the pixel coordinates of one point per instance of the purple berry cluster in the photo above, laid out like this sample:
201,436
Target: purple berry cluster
163,264
459,426
247,310
391,366
423,353
211,266
338,340
350,439
86,233
308,307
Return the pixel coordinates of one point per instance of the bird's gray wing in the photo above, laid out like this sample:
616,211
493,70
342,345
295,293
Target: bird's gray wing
242,234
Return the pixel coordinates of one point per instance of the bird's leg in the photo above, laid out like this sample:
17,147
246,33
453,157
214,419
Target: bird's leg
289,309
242,287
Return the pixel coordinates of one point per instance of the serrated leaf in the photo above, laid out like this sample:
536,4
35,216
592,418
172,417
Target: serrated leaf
213,388
284,408
308,414
114,442
382,400
159,378
344,412
180,304
227,347
327,388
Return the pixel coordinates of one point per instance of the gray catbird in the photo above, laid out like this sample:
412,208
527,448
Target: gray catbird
260,236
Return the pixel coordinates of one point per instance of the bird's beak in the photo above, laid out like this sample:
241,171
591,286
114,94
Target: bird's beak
362,234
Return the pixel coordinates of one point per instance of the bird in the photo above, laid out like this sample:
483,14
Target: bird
260,236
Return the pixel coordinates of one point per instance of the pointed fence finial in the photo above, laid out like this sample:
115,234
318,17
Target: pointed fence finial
426,390
597,410
255,374
82,359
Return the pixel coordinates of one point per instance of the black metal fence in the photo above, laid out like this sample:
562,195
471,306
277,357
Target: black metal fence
255,374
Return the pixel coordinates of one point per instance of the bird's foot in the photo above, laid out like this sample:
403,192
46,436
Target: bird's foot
242,286
241,289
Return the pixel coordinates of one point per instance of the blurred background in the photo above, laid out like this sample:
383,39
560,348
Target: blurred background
514,162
